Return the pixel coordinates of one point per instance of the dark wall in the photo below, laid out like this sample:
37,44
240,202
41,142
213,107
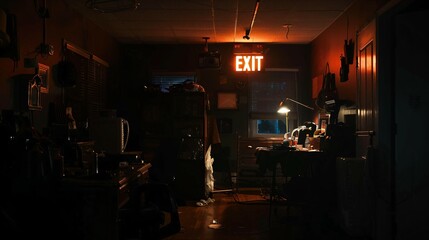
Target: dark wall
63,23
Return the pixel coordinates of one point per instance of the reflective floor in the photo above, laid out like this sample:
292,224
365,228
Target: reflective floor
246,215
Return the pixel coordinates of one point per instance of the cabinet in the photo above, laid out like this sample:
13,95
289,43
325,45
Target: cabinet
181,117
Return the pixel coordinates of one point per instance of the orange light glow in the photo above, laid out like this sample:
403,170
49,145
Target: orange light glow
248,63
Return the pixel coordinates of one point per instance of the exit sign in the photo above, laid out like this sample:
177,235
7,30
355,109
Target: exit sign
248,63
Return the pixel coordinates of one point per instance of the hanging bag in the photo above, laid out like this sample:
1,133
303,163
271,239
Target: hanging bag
328,96
320,101
331,94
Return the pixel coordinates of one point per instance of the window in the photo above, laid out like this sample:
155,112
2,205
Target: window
89,95
267,89
166,80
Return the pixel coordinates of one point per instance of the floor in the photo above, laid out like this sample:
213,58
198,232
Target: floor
246,215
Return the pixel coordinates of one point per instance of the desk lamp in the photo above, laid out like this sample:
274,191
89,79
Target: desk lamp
283,108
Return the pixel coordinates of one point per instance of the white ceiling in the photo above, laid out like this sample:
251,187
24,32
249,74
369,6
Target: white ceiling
189,21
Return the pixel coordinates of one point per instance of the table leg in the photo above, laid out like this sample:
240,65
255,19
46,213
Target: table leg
273,185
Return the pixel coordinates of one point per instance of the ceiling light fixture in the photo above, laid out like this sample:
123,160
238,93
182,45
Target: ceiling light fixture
287,26
248,30
44,49
208,59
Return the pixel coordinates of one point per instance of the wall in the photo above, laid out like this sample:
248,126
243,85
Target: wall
328,47
63,23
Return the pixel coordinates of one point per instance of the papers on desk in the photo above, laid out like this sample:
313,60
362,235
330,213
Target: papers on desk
261,148
307,150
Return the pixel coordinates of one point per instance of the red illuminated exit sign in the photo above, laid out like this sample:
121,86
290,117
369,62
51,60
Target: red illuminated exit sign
248,63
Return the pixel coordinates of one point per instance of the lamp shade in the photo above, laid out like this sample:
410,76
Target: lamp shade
283,108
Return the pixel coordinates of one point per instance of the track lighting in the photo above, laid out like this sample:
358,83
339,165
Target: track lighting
246,34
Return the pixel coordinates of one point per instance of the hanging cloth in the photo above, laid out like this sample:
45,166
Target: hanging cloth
209,179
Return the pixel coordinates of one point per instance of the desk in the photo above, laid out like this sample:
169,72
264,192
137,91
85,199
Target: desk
293,163
91,203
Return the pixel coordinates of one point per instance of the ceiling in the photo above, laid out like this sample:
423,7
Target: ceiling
222,21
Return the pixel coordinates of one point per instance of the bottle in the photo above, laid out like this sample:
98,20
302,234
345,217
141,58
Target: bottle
307,142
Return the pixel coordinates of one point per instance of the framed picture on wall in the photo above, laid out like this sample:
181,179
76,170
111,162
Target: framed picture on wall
323,121
44,76
227,100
